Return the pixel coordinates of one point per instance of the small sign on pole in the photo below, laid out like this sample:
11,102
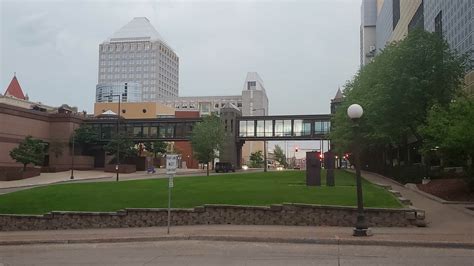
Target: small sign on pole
171,165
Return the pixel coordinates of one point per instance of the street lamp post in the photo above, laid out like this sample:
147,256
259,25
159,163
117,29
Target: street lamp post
264,140
117,165
355,112
72,157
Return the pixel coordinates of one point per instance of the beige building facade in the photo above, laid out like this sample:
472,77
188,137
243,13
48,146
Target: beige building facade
134,110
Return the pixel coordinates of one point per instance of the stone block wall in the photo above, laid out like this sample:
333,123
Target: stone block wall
286,214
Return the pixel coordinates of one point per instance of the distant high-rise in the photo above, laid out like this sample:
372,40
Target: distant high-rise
367,31
137,54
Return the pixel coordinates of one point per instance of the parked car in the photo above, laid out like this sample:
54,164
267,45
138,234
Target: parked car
224,167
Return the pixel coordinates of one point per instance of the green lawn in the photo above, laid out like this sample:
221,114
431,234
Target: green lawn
239,189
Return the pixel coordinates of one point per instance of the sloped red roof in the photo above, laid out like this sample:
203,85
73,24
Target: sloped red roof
14,89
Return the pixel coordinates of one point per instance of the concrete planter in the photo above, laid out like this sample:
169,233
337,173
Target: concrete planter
9,173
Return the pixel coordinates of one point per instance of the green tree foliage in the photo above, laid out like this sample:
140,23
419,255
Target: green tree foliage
450,131
86,138
123,145
86,135
29,151
157,146
280,156
256,159
398,89
207,138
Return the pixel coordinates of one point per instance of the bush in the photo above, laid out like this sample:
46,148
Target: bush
407,173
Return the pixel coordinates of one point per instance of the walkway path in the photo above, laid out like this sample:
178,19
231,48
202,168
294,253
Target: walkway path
251,233
90,175
443,220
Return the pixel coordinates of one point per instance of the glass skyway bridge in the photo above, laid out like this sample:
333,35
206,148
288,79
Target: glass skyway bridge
283,127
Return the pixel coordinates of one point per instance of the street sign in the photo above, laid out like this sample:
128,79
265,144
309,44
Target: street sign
171,163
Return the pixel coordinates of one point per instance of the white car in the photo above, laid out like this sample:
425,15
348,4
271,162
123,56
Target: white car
245,167
279,168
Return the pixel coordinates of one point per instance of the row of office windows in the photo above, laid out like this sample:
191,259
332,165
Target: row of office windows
147,130
281,128
134,46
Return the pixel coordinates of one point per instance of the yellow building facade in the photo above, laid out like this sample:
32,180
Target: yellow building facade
135,110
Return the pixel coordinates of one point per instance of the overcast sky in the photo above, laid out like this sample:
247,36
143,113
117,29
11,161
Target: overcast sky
303,50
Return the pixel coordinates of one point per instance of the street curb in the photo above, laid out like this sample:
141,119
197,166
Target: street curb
317,241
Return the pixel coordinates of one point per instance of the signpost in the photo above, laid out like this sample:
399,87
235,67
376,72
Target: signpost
171,165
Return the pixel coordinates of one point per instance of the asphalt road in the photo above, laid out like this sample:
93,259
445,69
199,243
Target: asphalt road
228,253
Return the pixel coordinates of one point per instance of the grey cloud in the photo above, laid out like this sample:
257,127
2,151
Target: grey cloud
303,50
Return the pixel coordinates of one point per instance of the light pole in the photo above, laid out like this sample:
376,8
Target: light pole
117,165
355,112
264,139
72,157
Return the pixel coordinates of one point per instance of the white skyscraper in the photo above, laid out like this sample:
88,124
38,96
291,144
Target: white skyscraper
137,54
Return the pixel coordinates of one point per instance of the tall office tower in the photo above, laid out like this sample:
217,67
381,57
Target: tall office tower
454,20
137,54
367,31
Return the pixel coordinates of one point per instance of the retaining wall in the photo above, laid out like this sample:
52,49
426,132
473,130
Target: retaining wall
286,214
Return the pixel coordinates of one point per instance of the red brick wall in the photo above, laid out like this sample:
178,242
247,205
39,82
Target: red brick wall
184,148
186,114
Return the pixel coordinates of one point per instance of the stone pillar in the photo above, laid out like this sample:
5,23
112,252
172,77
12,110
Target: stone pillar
230,148
329,165
313,169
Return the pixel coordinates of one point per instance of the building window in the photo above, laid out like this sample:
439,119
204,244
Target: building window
439,23
251,85
396,12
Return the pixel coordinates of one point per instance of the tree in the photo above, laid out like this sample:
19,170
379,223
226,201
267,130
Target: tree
123,145
450,131
397,90
207,138
280,155
157,146
85,136
256,159
29,151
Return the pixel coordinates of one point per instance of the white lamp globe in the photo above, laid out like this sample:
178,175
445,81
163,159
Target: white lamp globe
355,111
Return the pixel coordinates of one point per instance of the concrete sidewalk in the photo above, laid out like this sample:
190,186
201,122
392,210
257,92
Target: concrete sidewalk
419,237
442,219
90,175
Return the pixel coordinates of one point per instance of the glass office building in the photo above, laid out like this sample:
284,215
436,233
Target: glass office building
128,91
